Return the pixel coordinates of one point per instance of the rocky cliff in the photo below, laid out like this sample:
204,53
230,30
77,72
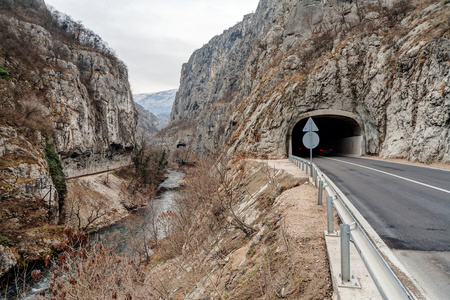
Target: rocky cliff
84,94
147,125
96,120
384,65
58,93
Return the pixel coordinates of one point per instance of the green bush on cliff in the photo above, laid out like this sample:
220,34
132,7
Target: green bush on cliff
4,241
4,74
56,171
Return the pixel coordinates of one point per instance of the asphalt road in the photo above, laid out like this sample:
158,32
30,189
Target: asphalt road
408,206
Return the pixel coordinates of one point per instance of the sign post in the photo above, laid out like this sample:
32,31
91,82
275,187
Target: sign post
310,139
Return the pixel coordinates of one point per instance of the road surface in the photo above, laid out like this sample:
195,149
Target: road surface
408,206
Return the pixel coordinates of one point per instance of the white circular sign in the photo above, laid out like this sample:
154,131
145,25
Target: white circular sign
311,140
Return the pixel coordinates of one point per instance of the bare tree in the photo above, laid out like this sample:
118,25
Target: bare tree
231,188
84,207
93,271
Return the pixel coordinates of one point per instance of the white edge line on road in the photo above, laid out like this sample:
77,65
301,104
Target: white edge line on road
393,175
386,252
402,163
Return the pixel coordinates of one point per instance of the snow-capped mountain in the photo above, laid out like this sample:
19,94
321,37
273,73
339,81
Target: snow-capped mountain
156,103
160,104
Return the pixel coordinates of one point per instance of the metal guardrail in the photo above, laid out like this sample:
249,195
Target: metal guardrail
385,279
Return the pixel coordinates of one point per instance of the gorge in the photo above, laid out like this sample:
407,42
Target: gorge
383,66
374,75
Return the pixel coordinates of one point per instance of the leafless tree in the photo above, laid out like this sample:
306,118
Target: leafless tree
84,207
93,271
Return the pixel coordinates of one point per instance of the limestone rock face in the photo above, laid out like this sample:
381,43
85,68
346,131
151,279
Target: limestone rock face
27,193
24,170
219,65
97,118
147,125
387,66
53,89
87,98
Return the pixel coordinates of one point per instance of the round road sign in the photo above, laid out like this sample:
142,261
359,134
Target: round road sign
311,140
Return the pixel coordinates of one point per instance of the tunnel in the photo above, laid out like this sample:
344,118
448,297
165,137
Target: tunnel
339,135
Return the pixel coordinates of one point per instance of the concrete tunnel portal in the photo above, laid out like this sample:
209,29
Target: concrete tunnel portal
340,134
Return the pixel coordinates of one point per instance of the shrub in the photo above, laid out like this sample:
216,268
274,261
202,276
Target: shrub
149,164
88,270
4,74
398,11
4,241
56,172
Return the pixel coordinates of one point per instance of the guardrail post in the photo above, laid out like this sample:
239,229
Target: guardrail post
303,166
345,252
307,166
386,281
330,215
319,201
315,176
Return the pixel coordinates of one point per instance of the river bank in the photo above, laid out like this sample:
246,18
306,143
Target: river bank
285,257
122,233
266,242
105,194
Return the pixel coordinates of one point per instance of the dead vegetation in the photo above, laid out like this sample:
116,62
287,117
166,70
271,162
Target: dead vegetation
28,117
240,231
84,205
179,126
228,240
97,201
89,270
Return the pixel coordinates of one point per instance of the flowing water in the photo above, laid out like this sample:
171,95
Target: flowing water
144,221
124,234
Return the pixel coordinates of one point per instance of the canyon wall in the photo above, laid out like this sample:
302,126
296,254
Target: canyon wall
388,65
60,97
85,96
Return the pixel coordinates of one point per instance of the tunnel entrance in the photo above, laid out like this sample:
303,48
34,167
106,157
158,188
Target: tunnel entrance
339,135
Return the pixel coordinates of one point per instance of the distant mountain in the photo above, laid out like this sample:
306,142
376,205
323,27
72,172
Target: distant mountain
160,104
147,125
163,119
157,103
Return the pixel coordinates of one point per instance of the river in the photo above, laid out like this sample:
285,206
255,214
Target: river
124,234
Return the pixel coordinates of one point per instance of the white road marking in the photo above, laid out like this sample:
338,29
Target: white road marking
393,175
404,163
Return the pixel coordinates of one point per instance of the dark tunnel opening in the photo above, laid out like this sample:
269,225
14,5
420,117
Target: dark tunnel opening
338,136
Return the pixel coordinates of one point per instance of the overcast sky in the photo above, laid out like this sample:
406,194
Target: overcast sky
155,37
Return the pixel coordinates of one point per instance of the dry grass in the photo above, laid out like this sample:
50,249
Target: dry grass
178,126
27,116
207,256
92,271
